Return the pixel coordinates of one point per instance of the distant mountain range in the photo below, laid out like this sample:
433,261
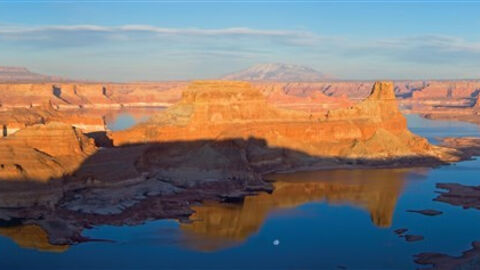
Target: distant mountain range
278,72
21,74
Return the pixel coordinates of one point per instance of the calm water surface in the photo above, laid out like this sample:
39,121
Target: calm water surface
126,118
318,220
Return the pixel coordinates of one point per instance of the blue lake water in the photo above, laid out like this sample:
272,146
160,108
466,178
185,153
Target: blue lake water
126,118
319,220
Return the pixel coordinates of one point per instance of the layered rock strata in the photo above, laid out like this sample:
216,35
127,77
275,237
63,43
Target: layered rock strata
14,119
43,151
373,129
89,95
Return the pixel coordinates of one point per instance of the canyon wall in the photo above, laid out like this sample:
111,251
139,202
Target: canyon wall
96,95
76,95
14,119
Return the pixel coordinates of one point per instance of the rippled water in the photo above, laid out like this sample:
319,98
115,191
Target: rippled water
318,220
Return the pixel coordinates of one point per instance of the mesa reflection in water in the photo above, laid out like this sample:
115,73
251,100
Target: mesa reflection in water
217,226
220,225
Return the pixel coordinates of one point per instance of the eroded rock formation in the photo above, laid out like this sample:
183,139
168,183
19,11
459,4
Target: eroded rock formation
468,145
213,110
14,119
459,195
43,151
89,95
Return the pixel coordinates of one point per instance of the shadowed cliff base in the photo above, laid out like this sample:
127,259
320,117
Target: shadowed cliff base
66,213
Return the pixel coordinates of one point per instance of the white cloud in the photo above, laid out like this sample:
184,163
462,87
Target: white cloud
138,45
54,31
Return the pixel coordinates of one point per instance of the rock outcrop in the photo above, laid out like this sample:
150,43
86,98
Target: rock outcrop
467,260
43,151
476,106
14,119
216,110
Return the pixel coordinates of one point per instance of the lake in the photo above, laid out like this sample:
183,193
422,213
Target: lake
334,219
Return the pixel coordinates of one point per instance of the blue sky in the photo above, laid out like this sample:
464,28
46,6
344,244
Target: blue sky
153,40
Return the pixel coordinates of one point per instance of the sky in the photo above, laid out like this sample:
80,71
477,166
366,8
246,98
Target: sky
178,40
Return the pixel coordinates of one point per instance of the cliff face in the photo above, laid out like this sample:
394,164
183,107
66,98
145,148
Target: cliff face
476,107
43,151
108,95
14,119
76,95
445,93
215,110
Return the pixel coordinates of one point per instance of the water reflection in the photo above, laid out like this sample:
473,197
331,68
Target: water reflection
31,236
219,225
128,117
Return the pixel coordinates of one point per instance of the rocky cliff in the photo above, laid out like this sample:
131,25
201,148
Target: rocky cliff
212,110
14,119
43,151
476,106
86,95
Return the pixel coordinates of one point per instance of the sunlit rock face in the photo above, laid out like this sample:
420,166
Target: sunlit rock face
217,226
43,151
447,92
14,119
89,95
216,110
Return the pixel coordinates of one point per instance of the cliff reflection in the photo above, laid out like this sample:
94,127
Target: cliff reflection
31,237
219,225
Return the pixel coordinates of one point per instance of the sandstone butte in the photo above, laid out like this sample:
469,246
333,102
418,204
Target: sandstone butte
371,130
43,151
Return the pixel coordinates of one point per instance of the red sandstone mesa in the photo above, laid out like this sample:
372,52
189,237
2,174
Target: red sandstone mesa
216,110
372,132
